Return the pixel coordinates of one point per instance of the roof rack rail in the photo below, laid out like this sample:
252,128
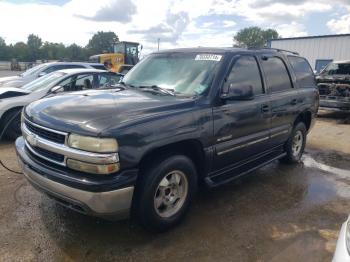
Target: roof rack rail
278,50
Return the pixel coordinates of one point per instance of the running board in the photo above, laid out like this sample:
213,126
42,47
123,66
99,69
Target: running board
242,170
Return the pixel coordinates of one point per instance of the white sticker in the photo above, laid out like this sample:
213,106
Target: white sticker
208,57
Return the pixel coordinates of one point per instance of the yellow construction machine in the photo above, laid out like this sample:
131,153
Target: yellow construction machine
125,56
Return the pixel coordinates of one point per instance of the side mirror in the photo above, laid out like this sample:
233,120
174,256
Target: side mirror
41,74
55,89
244,92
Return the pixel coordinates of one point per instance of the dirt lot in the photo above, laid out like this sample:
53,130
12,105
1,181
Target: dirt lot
280,213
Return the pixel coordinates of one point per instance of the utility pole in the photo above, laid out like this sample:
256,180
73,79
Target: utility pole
158,43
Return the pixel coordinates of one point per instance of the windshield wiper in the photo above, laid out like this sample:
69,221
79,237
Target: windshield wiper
125,84
159,89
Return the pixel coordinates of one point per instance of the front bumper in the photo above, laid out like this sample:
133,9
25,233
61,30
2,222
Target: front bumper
341,253
335,105
111,204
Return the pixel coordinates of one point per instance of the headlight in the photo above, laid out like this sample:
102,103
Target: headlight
347,235
92,168
93,144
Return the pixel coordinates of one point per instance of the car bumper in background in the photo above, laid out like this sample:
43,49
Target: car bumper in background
335,105
113,204
341,252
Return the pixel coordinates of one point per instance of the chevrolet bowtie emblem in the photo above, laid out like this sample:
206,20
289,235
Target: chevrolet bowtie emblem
32,140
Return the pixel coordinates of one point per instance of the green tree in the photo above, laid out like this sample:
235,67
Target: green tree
102,42
3,49
254,37
53,51
34,43
21,52
75,53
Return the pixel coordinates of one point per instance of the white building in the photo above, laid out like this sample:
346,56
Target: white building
319,50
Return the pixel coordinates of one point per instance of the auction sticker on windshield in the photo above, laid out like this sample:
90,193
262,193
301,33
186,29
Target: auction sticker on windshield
208,57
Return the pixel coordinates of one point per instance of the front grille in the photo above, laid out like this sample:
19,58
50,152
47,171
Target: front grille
48,154
49,135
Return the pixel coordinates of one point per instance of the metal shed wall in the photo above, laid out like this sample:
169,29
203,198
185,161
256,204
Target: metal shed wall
335,47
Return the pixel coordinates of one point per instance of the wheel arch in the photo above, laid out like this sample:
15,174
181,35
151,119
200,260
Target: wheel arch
305,117
192,148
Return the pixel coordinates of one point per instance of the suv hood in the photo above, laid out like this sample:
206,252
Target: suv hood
91,112
333,78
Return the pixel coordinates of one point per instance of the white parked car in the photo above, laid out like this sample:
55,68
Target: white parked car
13,99
342,251
44,69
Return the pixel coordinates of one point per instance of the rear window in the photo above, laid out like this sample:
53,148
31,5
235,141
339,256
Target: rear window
303,72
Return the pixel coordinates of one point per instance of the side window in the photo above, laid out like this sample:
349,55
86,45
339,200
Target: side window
51,69
276,74
108,80
304,74
72,66
245,72
84,82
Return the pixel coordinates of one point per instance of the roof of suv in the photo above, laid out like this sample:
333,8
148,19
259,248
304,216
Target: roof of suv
225,50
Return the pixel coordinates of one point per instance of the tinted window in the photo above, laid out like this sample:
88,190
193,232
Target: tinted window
276,74
302,70
71,66
245,72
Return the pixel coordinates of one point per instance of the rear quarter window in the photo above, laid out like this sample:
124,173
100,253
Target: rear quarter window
303,72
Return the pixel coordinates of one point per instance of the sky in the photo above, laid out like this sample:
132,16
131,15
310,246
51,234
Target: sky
177,23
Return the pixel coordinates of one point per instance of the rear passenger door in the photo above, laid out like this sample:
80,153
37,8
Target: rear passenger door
241,128
284,97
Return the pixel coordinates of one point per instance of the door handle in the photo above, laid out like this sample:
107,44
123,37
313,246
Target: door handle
294,101
265,108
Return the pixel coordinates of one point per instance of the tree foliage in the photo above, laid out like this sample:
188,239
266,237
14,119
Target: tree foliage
102,42
35,49
254,37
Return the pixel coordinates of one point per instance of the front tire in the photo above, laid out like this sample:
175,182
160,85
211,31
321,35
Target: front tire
165,192
13,123
296,144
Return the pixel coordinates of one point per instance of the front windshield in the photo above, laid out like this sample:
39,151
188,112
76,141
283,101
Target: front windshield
186,74
32,70
44,82
337,69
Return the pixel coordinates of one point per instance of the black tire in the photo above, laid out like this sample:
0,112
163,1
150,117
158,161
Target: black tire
12,123
293,155
148,187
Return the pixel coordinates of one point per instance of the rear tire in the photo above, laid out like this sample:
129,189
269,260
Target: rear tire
295,145
165,192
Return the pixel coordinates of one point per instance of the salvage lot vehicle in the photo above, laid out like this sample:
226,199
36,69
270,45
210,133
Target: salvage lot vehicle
334,86
44,69
13,99
185,116
342,251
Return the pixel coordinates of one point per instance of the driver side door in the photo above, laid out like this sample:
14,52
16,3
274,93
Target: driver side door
241,127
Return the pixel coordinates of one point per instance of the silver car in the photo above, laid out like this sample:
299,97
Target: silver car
342,251
13,99
44,69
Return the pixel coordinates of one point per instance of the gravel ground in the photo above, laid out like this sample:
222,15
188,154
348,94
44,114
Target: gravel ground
279,213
